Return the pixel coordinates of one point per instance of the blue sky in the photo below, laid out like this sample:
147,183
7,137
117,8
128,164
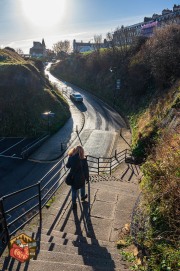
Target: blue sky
25,21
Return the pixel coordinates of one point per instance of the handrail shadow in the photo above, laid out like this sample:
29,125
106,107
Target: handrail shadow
58,214
91,251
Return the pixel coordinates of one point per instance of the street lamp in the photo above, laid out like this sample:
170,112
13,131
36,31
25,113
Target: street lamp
48,115
117,83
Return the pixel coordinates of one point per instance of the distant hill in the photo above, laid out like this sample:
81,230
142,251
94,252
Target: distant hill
25,93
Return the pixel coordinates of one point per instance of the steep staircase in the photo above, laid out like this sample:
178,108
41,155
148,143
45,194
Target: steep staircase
82,239
71,252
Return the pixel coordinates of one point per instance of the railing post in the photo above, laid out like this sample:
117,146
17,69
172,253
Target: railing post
98,165
116,154
4,219
61,146
89,198
77,129
110,165
40,205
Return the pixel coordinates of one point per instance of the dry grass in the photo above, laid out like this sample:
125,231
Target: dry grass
8,57
161,185
24,95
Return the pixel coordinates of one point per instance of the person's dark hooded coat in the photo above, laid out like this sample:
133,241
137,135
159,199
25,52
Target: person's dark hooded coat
79,170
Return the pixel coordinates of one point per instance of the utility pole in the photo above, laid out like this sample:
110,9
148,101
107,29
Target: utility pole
48,115
117,83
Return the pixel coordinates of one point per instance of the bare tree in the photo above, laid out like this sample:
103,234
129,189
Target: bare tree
111,41
62,47
97,42
121,37
67,46
19,51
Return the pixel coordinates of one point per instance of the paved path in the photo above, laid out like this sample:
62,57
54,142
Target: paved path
57,143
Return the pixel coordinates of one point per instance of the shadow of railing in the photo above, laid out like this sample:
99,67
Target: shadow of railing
93,253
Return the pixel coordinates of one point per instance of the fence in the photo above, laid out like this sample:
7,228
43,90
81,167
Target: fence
18,208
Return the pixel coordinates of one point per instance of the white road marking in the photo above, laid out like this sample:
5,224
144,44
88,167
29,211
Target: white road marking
13,157
13,146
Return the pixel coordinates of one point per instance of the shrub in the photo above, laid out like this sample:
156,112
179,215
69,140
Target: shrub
161,187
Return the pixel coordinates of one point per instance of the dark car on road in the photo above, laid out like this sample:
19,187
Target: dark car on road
76,97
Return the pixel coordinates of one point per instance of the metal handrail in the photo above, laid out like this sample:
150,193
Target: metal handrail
97,165
23,224
19,191
20,204
25,213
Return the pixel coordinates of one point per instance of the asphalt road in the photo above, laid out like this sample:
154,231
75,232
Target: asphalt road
102,123
13,146
97,136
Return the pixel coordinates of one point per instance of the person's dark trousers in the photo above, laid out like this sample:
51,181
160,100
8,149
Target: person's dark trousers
75,193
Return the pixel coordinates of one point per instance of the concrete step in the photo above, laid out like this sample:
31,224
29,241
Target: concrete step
67,254
97,252
52,256
74,241
38,265
79,238
69,238
77,243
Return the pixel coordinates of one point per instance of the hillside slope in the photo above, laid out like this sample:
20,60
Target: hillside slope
25,94
150,98
150,82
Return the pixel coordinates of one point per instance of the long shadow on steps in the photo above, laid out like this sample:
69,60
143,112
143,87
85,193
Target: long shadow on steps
128,173
59,213
11,264
92,252
38,235
84,213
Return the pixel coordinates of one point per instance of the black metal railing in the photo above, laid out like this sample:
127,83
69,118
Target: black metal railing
18,208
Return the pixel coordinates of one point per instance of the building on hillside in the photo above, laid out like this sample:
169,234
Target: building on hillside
173,16
126,35
38,50
25,56
148,29
81,47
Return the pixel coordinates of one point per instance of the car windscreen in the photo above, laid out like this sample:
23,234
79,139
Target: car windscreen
77,96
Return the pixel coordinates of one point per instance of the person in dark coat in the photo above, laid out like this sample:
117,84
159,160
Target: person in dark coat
77,162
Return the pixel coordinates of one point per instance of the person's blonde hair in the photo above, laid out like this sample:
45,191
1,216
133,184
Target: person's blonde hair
80,150
72,152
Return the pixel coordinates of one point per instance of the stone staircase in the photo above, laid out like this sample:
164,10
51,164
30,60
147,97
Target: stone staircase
82,239
65,252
